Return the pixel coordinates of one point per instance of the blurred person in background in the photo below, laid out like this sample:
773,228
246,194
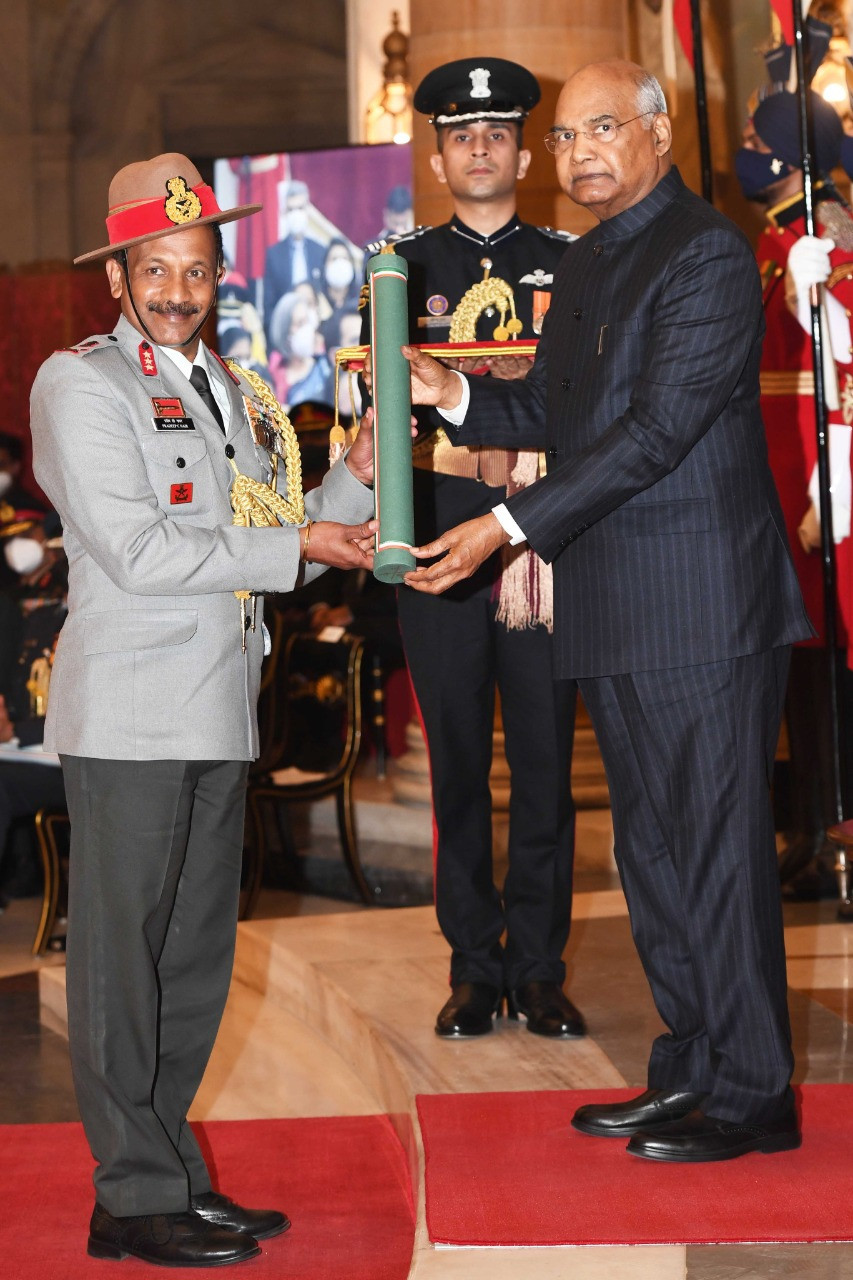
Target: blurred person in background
298,360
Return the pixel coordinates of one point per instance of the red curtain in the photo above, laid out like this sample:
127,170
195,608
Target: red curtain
44,310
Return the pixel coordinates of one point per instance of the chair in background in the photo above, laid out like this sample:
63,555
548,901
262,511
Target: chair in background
319,689
52,831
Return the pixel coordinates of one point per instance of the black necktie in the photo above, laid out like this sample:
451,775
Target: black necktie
201,382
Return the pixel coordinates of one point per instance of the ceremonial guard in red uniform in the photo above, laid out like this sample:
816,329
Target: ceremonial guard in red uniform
769,169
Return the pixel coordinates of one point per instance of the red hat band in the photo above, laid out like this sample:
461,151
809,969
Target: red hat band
181,206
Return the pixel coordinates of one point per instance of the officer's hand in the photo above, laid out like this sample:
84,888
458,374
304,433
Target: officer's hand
341,546
360,457
467,364
432,382
808,262
463,550
510,368
809,530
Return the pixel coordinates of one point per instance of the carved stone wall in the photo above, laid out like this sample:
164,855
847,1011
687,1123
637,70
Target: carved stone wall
90,85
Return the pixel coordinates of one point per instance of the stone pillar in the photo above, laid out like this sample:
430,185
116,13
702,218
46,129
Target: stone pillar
550,38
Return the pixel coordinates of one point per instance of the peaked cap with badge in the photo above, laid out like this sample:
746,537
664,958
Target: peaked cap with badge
472,89
153,198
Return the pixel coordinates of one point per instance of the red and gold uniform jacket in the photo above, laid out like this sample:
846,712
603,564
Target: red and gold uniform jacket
787,390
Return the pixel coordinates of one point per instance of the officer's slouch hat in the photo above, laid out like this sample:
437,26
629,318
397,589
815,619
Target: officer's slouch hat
153,198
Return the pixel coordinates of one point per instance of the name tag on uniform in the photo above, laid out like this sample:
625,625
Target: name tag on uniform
169,415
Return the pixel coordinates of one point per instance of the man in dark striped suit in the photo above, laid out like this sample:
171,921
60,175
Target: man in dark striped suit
676,600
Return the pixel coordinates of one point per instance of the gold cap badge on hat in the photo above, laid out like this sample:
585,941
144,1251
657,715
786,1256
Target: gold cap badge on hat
182,205
139,211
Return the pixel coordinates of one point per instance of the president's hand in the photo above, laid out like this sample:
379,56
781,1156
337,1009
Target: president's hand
462,549
432,382
341,546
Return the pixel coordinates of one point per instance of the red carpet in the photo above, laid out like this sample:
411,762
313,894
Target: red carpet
344,1184
507,1169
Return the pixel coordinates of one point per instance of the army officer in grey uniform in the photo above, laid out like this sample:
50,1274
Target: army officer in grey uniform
138,436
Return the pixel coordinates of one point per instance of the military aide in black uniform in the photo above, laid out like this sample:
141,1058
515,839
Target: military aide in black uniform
495,628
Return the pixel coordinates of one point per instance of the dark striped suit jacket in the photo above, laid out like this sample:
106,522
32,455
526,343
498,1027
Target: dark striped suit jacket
659,510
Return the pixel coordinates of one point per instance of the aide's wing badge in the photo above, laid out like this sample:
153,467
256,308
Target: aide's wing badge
537,278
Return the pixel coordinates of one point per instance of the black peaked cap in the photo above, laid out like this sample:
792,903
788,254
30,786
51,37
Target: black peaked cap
477,89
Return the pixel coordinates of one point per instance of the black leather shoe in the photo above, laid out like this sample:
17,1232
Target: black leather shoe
796,855
816,882
469,1011
649,1111
222,1212
699,1137
168,1240
548,1010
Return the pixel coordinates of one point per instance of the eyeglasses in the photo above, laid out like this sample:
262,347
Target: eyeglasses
559,140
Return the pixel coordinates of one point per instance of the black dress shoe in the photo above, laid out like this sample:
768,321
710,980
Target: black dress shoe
548,1010
816,882
649,1111
469,1011
168,1240
222,1212
699,1137
797,853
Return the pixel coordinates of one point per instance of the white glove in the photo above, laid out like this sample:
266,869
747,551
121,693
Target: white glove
808,265
808,262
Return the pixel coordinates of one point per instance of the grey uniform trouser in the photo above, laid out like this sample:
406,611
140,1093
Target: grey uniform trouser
154,879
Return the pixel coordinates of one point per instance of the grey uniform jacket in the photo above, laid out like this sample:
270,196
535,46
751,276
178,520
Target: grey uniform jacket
149,663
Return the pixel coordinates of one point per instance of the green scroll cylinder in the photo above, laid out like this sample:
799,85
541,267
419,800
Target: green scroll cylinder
387,276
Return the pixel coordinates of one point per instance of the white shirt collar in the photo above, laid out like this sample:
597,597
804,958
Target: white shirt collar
185,366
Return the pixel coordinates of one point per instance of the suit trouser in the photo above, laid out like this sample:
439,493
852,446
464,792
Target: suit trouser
689,756
154,882
456,654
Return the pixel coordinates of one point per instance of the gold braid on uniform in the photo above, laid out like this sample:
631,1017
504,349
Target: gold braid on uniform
491,291
256,503
436,452
525,591
252,501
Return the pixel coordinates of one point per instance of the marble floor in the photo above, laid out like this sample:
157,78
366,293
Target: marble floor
331,1012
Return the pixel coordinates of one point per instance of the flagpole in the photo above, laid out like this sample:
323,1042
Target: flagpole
827,541
701,100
